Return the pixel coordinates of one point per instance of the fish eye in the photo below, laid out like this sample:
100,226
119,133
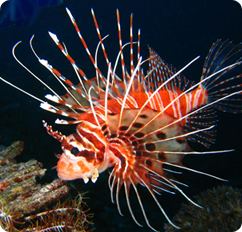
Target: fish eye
75,151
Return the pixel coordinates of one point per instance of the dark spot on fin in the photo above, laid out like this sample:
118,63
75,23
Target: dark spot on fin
161,135
123,128
104,127
137,125
139,135
134,143
150,146
148,162
138,153
143,116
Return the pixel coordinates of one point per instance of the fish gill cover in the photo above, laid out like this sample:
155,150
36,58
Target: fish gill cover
179,32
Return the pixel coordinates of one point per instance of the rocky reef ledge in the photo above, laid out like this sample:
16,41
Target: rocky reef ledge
26,205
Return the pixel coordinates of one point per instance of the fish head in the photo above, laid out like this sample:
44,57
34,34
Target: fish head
82,156
77,161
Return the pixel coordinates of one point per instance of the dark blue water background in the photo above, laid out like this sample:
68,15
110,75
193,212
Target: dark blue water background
23,12
178,30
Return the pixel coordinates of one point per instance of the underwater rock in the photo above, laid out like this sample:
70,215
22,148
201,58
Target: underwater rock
11,152
26,205
222,211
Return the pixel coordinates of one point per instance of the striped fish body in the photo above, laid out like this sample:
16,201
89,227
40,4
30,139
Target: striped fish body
140,137
162,99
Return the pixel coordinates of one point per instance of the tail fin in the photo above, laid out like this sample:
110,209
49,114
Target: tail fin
225,87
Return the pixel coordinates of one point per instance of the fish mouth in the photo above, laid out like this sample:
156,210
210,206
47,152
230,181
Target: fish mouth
78,168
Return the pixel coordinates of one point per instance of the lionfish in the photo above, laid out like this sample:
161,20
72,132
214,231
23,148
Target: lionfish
138,121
